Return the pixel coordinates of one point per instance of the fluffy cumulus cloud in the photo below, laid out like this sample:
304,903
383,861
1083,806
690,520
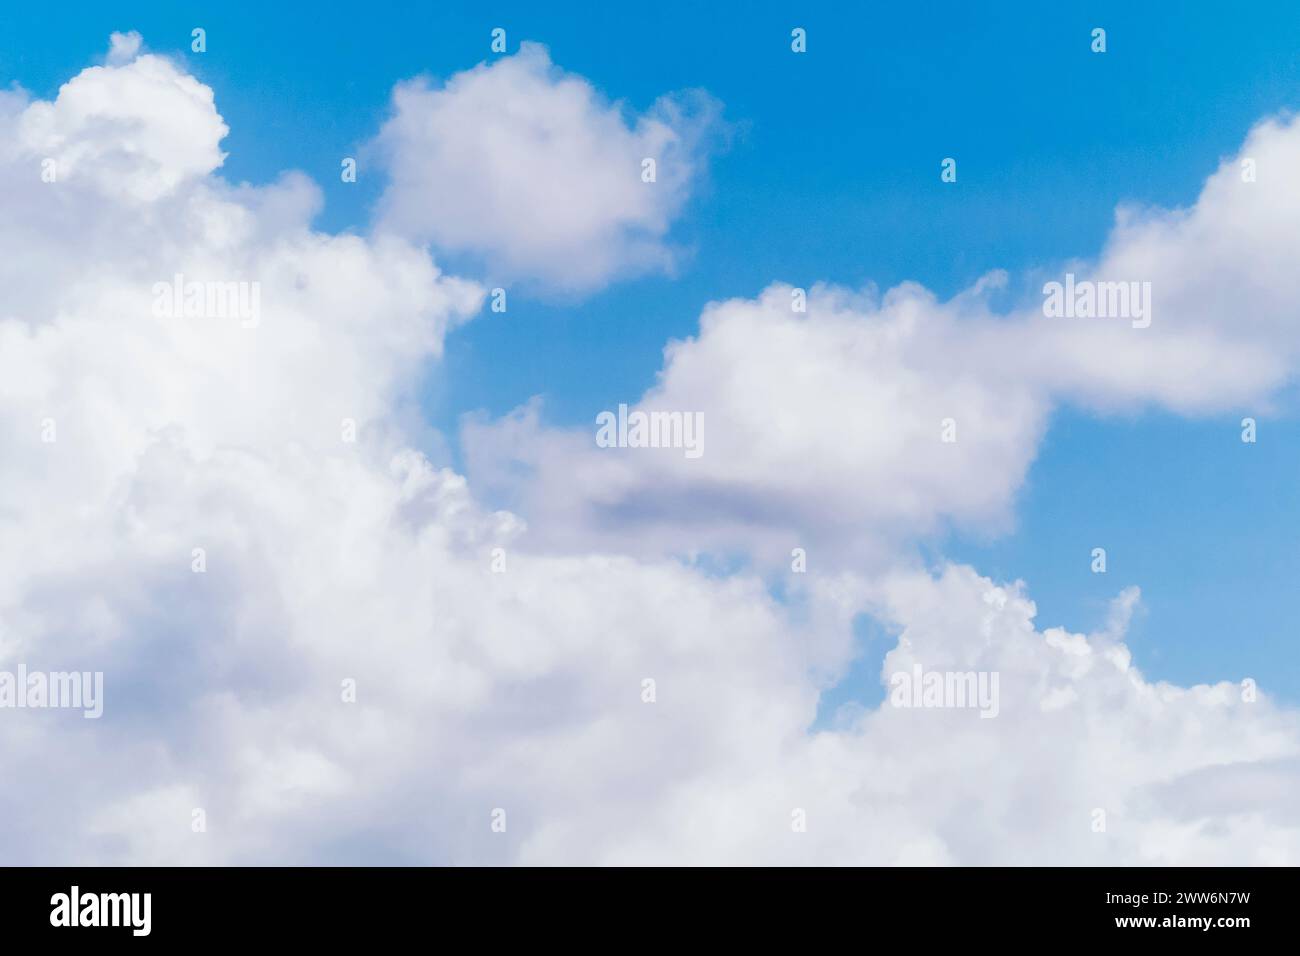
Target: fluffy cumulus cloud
825,417
821,428
530,169
135,435
137,133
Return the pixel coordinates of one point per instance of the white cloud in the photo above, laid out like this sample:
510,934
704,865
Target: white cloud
1224,283
824,429
328,560
821,429
531,169
124,47
136,133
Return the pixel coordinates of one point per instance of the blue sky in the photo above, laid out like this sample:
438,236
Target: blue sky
831,173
